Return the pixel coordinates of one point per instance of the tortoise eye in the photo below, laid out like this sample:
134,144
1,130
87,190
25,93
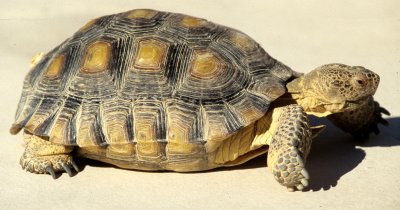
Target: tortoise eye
360,81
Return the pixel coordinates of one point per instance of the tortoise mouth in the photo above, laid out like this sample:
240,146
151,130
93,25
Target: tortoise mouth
354,104
337,107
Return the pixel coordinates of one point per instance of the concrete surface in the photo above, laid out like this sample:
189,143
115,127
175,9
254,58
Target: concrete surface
302,34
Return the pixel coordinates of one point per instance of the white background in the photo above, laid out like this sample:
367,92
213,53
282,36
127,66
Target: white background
301,34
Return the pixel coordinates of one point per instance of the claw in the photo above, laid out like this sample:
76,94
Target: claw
305,173
75,166
23,163
300,187
384,111
300,161
51,171
304,182
290,189
67,169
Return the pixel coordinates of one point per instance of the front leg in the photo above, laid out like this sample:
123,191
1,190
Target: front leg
42,156
361,121
289,147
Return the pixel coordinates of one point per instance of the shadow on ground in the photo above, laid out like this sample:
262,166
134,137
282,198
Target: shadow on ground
333,154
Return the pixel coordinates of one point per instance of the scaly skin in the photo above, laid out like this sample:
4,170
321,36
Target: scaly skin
289,147
362,121
343,93
42,156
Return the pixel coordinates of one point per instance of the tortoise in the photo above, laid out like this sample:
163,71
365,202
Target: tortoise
153,90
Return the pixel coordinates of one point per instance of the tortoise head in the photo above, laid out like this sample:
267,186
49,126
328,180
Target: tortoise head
335,88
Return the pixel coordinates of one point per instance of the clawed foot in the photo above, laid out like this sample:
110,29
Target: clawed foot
289,171
49,164
372,125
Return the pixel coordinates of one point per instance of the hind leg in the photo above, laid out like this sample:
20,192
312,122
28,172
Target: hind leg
42,156
289,147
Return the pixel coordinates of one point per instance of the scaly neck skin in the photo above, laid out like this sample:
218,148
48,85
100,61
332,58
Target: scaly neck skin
303,93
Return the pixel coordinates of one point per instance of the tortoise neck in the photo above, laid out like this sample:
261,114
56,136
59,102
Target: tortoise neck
298,92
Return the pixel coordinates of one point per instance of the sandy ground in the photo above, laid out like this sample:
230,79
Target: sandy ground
302,34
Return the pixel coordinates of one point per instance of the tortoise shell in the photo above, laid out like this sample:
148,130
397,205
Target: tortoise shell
151,78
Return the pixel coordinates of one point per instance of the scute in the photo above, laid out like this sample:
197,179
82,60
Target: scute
96,57
141,14
150,55
167,82
55,67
